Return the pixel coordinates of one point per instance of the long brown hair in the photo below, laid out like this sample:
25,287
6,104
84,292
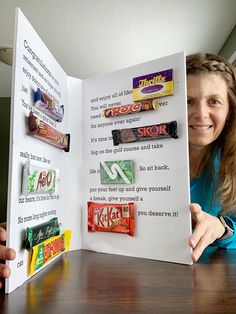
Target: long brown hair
226,142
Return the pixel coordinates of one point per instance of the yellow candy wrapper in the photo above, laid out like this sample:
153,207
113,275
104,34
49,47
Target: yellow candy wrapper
153,85
44,252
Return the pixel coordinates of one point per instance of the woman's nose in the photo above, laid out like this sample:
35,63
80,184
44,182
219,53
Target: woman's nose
201,110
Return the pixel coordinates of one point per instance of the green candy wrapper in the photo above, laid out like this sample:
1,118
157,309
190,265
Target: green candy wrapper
40,233
117,172
38,180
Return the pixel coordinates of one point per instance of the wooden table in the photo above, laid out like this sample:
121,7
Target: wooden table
88,282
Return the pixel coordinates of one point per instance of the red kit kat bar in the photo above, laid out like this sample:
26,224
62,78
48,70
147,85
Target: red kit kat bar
118,218
144,133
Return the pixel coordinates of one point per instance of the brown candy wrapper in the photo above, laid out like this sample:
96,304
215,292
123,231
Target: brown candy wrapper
146,105
46,133
144,133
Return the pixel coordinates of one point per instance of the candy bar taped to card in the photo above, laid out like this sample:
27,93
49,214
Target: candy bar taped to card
38,180
149,132
48,249
116,218
117,172
47,133
44,103
37,234
153,85
144,106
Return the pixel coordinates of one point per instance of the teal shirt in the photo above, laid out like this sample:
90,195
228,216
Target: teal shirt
202,189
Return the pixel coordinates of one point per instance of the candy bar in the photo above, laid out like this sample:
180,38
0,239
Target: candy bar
119,172
118,218
48,106
40,233
44,252
38,180
149,132
145,105
153,85
48,134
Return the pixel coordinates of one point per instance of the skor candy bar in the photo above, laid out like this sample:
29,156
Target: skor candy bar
38,180
117,218
44,252
153,85
117,172
48,106
37,234
146,105
144,133
48,134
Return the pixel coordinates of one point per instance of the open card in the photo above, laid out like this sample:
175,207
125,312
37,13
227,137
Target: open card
142,166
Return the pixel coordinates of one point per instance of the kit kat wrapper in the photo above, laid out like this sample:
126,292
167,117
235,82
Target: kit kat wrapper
144,133
48,134
109,217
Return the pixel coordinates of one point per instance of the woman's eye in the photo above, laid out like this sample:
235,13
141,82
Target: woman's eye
214,101
189,102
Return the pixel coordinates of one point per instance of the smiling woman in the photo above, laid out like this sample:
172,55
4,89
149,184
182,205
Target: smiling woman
211,88
208,109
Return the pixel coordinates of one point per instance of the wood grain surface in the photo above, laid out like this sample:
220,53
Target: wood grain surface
88,282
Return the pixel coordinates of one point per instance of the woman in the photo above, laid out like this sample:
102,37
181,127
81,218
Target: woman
211,89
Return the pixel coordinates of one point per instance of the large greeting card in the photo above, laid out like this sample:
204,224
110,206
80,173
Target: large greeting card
98,164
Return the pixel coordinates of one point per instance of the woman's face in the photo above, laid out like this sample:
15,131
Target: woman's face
208,108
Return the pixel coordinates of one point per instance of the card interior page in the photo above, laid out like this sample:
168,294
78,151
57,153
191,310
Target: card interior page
37,169
160,188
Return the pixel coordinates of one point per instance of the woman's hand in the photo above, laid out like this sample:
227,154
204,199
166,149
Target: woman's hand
5,254
207,229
